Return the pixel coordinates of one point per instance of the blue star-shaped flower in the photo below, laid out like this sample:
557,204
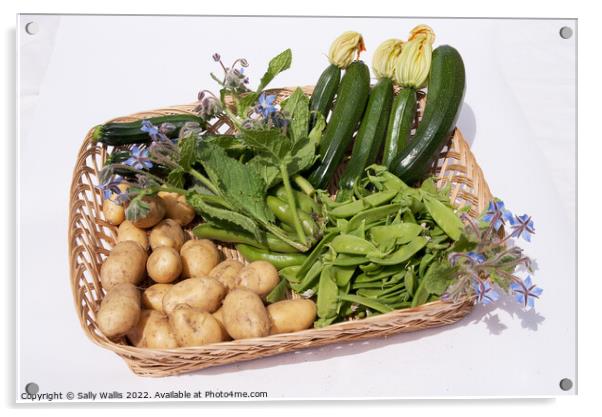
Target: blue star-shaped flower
484,291
266,105
497,210
139,158
523,227
111,187
151,129
476,257
526,293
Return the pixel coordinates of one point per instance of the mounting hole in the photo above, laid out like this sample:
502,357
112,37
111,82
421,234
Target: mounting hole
32,28
566,32
566,384
32,388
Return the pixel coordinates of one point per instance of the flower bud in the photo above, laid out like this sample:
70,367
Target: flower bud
385,58
414,63
344,48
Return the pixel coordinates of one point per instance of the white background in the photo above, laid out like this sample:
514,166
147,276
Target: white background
519,113
588,151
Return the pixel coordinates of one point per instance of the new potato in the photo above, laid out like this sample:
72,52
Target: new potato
260,277
127,231
125,264
291,315
119,310
244,315
203,293
194,327
164,265
155,214
167,233
219,316
153,331
227,272
152,297
199,257
177,208
113,212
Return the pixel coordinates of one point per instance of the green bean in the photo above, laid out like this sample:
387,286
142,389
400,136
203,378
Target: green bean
372,215
404,253
279,260
354,207
352,245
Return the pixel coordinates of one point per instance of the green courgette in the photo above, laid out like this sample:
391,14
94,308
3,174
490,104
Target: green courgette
352,96
370,136
400,125
323,94
115,133
444,100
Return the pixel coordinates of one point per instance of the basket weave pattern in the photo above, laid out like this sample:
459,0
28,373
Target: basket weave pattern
91,238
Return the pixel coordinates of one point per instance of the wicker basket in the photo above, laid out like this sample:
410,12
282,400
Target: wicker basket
91,238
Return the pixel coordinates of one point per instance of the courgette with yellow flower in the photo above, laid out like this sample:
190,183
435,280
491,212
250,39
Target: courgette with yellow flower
340,56
412,67
445,93
369,139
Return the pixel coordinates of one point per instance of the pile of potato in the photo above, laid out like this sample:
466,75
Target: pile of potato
196,297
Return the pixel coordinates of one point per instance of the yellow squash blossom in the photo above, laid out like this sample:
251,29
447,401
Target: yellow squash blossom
414,63
345,48
385,58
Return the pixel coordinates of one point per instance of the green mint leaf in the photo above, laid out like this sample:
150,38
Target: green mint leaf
241,186
245,102
438,277
316,132
279,63
264,167
271,144
187,146
297,108
215,213
303,156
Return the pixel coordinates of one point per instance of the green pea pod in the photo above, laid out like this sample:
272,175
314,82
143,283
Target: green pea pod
208,231
410,280
309,279
279,260
304,202
348,260
328,292
352,245
444,216
424,263
403,253
290,273
402,233
277,245
354,207
312,258
282,211
421,296
343,275
371,215
372,304
278,293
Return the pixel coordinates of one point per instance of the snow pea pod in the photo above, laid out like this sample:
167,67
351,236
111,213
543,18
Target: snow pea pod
372,304
343,275
404,253
279,260
352,245
309,279
328,293
372,215
304,202
421,296
354,207
410,281
290,273
315,253
402,233
349,260
444,216
284,213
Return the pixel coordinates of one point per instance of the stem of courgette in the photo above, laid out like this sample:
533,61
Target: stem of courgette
400,125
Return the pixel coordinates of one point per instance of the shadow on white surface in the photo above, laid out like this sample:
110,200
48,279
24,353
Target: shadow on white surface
467,123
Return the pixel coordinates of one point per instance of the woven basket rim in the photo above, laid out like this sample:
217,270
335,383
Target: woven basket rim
134,356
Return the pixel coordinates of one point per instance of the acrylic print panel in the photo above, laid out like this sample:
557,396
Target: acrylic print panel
519,115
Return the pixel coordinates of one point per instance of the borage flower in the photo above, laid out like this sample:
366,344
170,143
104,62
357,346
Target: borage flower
484,291
266,106
523,227
111,187
476,257
526,292
139,158
496,211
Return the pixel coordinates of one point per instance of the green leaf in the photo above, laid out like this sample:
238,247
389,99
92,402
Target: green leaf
176,178
297,107
271,143
316,132
438,277
279,63
444,216
245,102
223,215
241,186
303,156
137,209
263,166
278,293
188,155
